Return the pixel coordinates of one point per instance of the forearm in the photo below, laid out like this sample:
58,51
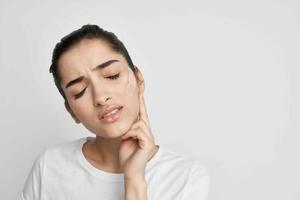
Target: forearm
135,190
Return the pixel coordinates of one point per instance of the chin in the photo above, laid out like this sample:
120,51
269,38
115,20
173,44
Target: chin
114,130
121,128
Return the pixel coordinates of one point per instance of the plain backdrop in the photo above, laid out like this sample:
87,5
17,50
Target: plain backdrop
222,86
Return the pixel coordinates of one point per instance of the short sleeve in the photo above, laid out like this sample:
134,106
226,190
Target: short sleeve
198,182
32,186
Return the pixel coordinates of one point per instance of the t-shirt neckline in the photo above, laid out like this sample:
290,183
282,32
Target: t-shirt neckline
104,174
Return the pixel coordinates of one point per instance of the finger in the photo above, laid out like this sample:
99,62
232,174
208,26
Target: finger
145,129
137,133
140,138
143,115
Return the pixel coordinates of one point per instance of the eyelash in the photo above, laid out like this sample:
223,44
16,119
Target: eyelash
114,77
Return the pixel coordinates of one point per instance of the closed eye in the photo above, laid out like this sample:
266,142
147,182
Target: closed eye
116,76
79,94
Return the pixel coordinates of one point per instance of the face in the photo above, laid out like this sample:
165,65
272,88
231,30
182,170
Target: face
111,83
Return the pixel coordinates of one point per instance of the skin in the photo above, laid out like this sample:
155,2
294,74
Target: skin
123,146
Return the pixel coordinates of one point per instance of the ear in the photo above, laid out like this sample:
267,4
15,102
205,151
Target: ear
71,112
140,79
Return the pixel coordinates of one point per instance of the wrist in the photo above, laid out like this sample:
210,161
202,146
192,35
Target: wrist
135,180
135,189
137,177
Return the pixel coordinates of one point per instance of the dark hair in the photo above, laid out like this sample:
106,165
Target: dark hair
87,31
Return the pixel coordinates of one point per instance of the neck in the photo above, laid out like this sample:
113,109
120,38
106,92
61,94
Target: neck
106,152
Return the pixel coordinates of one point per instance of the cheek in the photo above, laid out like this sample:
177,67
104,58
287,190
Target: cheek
129,86
129,90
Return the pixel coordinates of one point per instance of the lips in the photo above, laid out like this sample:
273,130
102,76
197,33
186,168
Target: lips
109,111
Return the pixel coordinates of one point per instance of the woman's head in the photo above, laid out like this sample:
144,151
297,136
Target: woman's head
93,71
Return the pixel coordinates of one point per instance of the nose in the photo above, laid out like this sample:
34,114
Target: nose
101,94
101,101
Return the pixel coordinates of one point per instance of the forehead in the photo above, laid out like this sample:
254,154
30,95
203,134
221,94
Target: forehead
85,55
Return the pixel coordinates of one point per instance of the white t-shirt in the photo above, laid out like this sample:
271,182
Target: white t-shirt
63,173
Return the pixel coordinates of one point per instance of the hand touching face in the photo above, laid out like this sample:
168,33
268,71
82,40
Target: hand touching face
138,143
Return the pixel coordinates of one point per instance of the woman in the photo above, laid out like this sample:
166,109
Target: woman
103,90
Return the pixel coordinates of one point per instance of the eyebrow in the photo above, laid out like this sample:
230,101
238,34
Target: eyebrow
100,66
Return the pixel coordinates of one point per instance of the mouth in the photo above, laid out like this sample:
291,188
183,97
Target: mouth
111,116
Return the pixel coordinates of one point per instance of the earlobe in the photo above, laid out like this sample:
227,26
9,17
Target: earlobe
71,112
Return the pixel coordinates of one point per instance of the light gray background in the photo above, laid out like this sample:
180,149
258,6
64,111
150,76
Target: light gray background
222,85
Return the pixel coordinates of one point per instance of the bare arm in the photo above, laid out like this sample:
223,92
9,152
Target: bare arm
136,190
137,148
